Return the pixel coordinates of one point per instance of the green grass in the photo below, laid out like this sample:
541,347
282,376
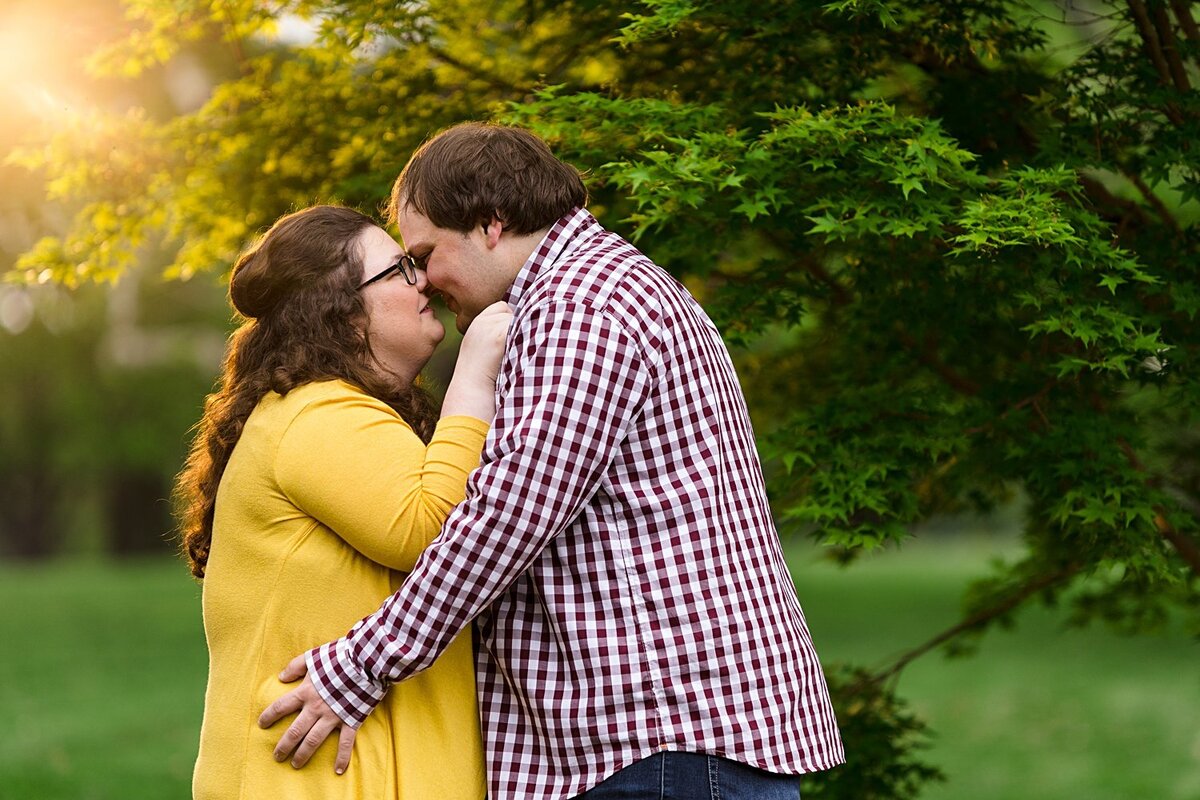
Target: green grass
102,681
1041,711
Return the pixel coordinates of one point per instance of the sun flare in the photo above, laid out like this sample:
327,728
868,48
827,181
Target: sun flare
43,47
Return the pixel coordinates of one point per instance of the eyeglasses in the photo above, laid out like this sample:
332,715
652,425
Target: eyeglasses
406,266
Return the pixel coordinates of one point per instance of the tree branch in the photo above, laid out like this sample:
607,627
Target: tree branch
1032,400
980,618
228,25
1141,18
1100,194
1188,550
476,73
1159,206
927,355
1165,35
1185,20
841,295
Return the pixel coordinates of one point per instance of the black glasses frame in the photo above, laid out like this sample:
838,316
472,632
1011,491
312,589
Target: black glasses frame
406,266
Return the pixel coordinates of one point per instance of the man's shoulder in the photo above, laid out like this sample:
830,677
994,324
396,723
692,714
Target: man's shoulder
603,251
609,276
607,273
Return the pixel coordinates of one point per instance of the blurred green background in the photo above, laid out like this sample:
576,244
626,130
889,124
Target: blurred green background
102,382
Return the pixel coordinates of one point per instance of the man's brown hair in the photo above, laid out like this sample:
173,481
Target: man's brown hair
467,174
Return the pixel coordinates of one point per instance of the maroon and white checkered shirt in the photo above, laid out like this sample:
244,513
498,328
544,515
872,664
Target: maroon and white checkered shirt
615,548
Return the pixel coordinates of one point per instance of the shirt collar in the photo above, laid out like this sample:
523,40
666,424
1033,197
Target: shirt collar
563,237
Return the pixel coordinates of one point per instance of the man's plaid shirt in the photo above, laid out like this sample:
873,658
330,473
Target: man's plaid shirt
615,548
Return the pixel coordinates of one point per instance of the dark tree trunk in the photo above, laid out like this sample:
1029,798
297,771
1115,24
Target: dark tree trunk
138,514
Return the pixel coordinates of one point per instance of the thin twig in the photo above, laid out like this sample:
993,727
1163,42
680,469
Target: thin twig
1033,399
979,618
1159,206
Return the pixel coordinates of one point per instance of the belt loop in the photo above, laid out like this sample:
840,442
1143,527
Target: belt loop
714,778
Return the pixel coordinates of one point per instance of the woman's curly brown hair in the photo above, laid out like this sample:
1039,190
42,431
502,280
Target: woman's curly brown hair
296,289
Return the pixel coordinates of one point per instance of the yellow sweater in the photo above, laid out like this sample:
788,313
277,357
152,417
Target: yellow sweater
327,497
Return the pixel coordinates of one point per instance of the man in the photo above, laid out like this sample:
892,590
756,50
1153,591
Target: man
636,622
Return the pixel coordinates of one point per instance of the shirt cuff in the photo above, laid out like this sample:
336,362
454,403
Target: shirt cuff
350,692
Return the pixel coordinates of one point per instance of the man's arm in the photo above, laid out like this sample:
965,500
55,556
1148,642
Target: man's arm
578,382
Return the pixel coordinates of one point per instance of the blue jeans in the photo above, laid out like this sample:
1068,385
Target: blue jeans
693,776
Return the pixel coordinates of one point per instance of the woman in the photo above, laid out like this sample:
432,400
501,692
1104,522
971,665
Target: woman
319,473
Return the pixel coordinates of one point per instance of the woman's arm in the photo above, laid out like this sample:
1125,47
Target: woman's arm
350,462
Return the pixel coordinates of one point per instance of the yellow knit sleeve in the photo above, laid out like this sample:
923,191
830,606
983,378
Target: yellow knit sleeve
349,461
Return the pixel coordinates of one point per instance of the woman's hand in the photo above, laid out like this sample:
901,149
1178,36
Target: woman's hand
482,346
472,390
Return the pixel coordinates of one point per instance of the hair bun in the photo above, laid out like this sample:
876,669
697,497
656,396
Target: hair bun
250,286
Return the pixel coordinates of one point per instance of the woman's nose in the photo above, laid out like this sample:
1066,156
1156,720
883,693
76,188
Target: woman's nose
422,280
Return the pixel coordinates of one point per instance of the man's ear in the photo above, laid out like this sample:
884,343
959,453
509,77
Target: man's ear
493,229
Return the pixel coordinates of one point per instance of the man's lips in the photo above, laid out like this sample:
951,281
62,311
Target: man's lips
430,296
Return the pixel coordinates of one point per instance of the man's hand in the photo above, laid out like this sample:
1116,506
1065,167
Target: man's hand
312,725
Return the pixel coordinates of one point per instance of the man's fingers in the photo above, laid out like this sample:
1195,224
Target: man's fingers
296,669
345,746
290,703
295,734
312,726
312,740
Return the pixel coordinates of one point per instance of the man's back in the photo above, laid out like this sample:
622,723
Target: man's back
662,615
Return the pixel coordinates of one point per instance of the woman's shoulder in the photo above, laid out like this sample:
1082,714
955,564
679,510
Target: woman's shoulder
322,398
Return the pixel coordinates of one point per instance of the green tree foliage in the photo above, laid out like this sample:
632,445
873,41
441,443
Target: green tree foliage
958,241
